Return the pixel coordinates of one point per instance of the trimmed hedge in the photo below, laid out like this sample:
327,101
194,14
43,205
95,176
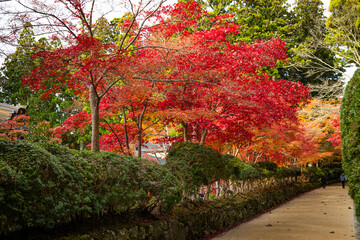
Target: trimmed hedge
238,170
195,219
45,185
195,165
350,134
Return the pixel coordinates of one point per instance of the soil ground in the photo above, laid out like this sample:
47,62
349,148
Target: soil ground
322,214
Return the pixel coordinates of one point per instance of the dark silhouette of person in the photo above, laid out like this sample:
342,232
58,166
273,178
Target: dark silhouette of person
323,181
342,180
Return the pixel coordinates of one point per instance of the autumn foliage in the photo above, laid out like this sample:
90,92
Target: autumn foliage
20,128
312,138
181,79
15,128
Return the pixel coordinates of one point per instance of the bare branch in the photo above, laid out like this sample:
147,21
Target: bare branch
143,23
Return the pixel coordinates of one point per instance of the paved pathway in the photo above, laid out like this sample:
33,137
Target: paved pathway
322,214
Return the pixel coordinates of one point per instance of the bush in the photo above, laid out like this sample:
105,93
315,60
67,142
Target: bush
195,165
350,134
196,219
238,170
313,174
282,172
270,166
44,185
233,166
333,174
249,173
266,169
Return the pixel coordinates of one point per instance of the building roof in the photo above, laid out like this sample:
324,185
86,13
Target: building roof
7,111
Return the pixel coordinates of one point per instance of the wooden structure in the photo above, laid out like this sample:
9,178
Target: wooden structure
9,111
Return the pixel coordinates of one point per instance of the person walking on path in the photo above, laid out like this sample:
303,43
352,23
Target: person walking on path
342,180
323,181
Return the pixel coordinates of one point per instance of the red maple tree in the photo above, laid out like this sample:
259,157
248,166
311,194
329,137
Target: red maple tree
88,65
200,78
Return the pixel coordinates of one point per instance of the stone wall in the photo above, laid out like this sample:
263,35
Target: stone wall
198,219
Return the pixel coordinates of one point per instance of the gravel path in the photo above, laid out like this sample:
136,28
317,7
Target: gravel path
322,214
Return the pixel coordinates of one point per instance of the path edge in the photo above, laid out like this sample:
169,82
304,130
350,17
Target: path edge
257,215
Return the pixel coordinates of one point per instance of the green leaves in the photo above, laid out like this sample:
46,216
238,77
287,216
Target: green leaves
350,129
298,27
43,185
195,165
343,26
20,64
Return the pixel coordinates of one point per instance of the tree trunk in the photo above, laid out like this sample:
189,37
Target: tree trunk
95,122
185,130
139,144
81,145
140,132
203,136
126,132
117,137
207,195
236,152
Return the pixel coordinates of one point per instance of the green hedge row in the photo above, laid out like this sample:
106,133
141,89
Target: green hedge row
350,134
192,219
43,185
196,165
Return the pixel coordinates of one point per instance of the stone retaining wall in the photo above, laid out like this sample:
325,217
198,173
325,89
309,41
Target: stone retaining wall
198,219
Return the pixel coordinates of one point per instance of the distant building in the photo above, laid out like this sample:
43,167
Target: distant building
7,111
153,151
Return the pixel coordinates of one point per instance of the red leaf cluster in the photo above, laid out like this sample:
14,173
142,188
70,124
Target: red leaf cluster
181,70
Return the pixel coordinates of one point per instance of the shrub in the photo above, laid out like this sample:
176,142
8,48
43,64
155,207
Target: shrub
282,172
313,174
350,134
30,186
249,173
238,170
44,185
195,165
333,174
271,166
233,166
197,219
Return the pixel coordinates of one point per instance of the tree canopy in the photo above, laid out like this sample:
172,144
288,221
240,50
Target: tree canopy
220,73
265,20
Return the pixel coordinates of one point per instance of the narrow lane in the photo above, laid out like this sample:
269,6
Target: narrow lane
322,214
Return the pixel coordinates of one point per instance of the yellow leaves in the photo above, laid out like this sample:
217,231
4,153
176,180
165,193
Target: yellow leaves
317,116
313,158
299,143
319,110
